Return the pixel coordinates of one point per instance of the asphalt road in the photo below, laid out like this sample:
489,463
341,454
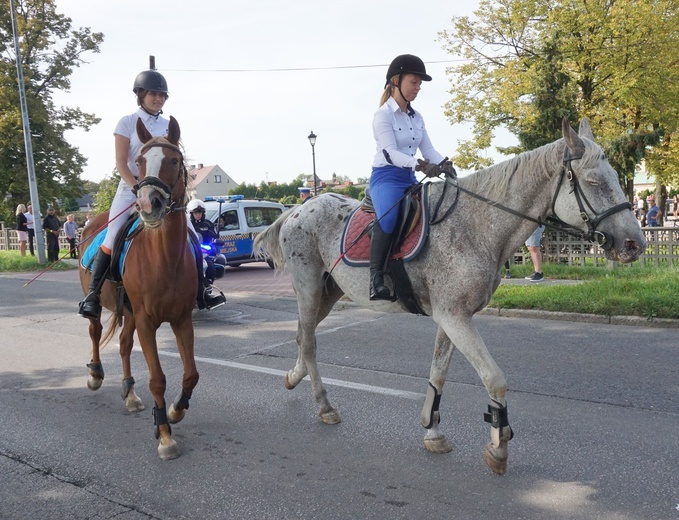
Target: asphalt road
594,408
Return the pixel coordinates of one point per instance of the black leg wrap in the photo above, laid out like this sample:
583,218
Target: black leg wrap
159,417
97,369
128,384
497,417
430,410
182,402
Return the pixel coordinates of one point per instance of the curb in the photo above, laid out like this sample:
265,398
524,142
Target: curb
634,321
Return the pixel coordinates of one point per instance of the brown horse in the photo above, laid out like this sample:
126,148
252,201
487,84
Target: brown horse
159,279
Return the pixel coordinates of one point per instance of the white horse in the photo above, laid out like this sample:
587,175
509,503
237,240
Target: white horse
458,270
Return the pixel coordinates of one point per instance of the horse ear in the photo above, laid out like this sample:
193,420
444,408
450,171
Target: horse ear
173,132
585,129
142,132
573,141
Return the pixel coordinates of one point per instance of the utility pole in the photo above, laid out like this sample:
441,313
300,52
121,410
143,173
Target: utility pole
32,183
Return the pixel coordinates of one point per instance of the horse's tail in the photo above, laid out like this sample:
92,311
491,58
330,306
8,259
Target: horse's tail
267,244
110,331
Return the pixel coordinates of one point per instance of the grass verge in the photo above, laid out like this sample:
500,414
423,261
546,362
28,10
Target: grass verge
650,292
12,261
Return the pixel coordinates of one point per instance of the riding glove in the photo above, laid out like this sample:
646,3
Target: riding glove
429,169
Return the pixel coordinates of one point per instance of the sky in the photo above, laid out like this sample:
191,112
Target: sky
234,109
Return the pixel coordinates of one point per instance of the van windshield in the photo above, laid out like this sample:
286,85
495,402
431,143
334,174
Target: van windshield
258,216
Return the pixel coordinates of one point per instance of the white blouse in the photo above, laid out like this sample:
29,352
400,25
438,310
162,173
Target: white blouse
398,137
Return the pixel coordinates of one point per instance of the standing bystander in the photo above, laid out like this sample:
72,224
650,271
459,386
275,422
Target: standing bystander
653,213
30,224
71,232
304,194
22,229
533,245
51,226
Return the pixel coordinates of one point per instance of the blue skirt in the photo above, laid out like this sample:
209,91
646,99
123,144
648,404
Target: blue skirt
387,186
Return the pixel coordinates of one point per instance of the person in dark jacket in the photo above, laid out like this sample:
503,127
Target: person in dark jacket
52,227
206,232
22,228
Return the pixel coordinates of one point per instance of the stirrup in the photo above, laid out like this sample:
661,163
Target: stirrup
90,307
209,301
379,290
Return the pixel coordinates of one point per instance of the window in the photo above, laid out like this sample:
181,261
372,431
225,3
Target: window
257,217
228,220
218,178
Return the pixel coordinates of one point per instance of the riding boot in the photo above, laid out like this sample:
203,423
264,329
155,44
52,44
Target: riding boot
90,307
206,300
380,246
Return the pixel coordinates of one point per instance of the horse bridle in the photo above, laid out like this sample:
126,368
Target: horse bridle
155,182
603,239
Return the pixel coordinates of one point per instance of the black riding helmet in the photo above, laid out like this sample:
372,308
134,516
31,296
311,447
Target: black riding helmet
407,64
150,80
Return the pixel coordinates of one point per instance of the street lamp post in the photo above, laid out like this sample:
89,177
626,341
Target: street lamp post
312,140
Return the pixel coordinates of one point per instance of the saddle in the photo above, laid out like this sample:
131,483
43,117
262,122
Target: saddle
412,229
119,252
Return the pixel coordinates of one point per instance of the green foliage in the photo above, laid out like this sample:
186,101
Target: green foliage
107,190
527,63
50,50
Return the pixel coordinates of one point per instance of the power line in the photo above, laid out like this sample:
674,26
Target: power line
297,69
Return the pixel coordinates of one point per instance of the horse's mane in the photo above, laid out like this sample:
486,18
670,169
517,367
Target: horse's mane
534,167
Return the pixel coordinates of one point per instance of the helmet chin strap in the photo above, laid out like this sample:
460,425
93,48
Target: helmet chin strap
409,109
156,114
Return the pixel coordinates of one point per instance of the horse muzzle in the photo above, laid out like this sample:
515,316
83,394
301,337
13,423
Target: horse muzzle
628,250
151,205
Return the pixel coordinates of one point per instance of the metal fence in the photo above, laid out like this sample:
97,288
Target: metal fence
558,247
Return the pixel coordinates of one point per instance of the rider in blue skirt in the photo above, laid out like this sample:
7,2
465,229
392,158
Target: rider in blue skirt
399,132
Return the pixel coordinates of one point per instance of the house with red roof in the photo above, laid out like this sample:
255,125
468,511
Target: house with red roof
209,181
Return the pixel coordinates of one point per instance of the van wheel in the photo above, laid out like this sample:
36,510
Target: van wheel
270,262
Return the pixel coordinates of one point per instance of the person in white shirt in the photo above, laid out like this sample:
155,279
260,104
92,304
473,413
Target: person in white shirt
30,224
150,89
399,132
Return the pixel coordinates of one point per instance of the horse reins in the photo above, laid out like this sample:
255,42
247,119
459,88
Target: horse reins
603,239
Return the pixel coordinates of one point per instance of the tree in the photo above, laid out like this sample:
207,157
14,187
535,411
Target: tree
528,61
50,50
107,190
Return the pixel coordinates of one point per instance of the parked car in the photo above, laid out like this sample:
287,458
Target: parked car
238,221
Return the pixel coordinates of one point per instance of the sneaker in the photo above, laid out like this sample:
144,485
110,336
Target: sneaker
535,277
508,274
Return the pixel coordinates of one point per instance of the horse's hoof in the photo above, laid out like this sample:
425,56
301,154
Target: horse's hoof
496,459
134,405
331,417
168,451
94,383
174,416
286,382
437,445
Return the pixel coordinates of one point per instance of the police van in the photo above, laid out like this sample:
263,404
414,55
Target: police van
238,222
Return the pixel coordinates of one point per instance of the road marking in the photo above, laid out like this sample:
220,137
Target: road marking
414,396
